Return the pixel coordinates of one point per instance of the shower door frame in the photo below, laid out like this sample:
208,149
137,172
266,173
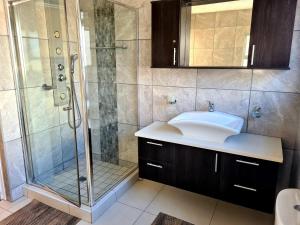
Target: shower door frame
19,70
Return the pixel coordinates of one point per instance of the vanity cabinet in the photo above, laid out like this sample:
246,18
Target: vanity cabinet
266,46
246,181
165,33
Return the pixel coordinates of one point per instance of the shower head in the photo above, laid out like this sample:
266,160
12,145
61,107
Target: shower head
74,57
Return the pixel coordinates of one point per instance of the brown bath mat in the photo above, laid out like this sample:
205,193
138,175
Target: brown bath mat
164,219
37,213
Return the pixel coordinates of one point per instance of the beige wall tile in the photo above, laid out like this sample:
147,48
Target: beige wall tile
127,104
145,71
205,20
15,163
175,77
204,38
241,36
203,57
126,62
37,62
46,150
72,20
228,101
127,143
223,57
125,23
3,26
226,19
40,110
224,37
6,74
145,105
280,116
9,115
32,19
93,106
145,21
163,111
224,79
244,17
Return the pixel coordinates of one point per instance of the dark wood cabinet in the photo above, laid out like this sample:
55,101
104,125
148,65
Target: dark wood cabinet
196,170
165,33
249,182
270,40
271,33
242,180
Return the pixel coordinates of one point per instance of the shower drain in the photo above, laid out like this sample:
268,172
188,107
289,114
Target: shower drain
82,179
297,207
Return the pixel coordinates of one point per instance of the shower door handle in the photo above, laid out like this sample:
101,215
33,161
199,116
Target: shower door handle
67,108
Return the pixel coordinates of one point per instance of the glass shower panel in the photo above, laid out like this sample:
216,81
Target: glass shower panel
46,88
109,45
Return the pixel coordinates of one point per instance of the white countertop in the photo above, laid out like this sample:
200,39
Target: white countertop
249,145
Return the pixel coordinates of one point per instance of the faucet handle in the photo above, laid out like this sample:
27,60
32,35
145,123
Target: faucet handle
211,106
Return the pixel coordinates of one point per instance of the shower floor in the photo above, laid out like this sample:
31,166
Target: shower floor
106,176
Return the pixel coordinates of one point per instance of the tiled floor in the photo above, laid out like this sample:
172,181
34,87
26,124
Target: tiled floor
7,208
106,176
141,204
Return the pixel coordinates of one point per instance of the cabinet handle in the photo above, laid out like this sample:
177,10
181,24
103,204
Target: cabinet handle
152,143
243,187
249,163
216,163
154,165
253,55
174,56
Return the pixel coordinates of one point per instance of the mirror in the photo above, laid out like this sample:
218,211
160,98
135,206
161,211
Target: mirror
215,33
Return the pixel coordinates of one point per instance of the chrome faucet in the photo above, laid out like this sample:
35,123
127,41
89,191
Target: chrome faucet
211,106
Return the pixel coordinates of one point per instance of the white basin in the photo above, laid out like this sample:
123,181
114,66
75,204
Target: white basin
208,126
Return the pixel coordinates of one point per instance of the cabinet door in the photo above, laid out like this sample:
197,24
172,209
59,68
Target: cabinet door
249,182
196,170
271,33
165,33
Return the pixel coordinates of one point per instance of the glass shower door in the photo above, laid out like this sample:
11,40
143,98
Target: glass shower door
46,86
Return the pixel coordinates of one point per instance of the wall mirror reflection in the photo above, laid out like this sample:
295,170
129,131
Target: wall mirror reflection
215,33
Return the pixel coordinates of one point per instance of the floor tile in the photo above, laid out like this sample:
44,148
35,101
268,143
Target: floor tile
119,214
4,214
229,214
141,194
145,219
16,205
188,206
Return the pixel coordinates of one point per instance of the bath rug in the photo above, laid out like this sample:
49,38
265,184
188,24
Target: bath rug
164,219
37,213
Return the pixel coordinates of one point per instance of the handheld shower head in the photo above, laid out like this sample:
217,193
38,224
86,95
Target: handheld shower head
74,57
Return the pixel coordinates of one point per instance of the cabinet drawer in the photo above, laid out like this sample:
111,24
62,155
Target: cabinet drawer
155,171
155,150
249,182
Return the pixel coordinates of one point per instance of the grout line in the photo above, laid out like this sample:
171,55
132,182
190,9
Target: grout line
213,214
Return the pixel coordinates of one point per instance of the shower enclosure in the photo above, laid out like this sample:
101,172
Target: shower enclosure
76,76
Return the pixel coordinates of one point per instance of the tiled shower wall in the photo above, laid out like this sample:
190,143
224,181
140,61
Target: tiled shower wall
12,146
277,92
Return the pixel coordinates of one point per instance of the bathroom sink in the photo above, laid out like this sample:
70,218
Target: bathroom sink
208,126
